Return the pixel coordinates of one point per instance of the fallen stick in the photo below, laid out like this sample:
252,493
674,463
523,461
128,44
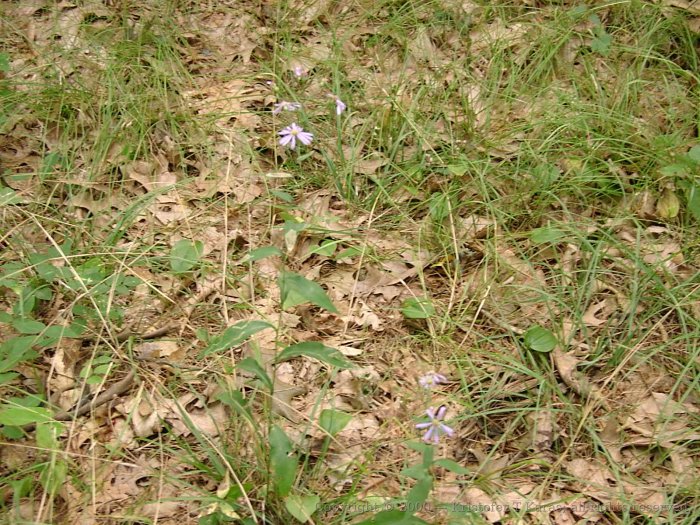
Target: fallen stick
112,392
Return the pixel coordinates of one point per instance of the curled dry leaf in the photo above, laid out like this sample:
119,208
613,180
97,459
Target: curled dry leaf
589,316
566,365
544,429
476,497
593,478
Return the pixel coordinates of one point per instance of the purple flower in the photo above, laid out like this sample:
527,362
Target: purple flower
435,426
431,380
339,104
285,106
291,133
298,71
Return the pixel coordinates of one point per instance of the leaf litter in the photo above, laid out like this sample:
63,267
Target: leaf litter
366,285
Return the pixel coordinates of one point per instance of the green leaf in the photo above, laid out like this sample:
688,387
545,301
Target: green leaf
261,253
333,421
234,336
419,493
239,404
393,517
674,169
352,251
185,254
693,200
457,169
251,365
296,289
302,507
15,350
417,308
417,471
6,377
694,153
4,62
8,196
540,339
601,43
283,463
47,434
21,415
546,235
326,248
53,475
315,350
24,325
668,204
452,466
58,332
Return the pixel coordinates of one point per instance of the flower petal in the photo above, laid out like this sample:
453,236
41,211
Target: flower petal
447,430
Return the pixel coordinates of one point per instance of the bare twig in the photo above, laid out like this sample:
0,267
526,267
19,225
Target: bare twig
112,392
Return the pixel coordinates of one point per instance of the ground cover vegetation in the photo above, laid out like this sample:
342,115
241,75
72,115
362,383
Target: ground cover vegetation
380,262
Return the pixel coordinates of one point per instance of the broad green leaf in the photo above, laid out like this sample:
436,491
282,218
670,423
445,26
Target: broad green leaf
352,251
261,253
71,331
282,195
452,466
668,204
333,421
419,493
457,169
47,434
283,463
674,169
417,308
302,507
546,234
185,255
393,517
296,289
234,336
14,433
326,248
53,475
251,365
6,377
693,196
15,350
540,339
239,404
24,325
8,196
315,350
694,153
17,416
417,471
601,43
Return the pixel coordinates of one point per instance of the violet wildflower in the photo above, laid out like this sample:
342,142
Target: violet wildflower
435,426
291,133
339,104
431,380
285,106
298,71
